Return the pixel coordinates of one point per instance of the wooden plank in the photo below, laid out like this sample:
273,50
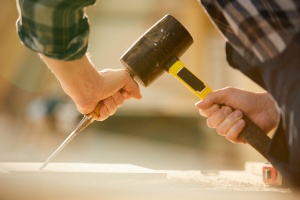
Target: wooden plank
75,181
88,170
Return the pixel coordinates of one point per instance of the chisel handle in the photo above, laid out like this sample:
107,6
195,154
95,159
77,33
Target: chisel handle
95,114
251,133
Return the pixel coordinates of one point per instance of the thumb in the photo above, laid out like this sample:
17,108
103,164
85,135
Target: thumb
131,89
215,97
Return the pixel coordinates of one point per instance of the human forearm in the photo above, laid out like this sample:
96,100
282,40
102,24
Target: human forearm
77,78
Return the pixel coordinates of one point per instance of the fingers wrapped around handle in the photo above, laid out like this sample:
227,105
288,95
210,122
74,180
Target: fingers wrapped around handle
96,112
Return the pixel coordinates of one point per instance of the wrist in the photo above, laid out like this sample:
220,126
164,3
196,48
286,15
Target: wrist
272,108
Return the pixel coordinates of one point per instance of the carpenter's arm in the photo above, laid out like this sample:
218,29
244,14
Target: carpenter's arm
58,30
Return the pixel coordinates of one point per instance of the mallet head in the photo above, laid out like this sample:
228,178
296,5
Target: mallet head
148,57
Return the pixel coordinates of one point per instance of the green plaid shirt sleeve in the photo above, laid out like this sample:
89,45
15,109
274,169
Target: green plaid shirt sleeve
56,28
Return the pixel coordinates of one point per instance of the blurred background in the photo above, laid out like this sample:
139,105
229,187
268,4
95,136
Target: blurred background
161,131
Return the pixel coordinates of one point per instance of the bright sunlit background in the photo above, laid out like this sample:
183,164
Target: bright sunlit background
161,131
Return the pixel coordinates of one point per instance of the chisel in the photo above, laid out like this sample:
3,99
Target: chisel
86,120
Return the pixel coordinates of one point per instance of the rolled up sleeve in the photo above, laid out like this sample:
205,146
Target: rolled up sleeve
58,28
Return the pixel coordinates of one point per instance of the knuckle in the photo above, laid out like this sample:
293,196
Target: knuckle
118,99
214,108
117,96
227,110
109,102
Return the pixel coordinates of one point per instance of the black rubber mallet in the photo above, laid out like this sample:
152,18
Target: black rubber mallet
158,50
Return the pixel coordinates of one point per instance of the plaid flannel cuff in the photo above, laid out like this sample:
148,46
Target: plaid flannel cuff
57,29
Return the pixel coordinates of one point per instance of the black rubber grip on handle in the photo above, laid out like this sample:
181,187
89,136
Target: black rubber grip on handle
255,137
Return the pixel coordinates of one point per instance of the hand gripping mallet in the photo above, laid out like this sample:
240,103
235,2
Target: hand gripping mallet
158,50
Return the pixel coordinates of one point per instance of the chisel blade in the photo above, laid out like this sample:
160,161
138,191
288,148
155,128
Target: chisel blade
87,120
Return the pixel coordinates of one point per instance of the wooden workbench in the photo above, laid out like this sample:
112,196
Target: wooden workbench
121,181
